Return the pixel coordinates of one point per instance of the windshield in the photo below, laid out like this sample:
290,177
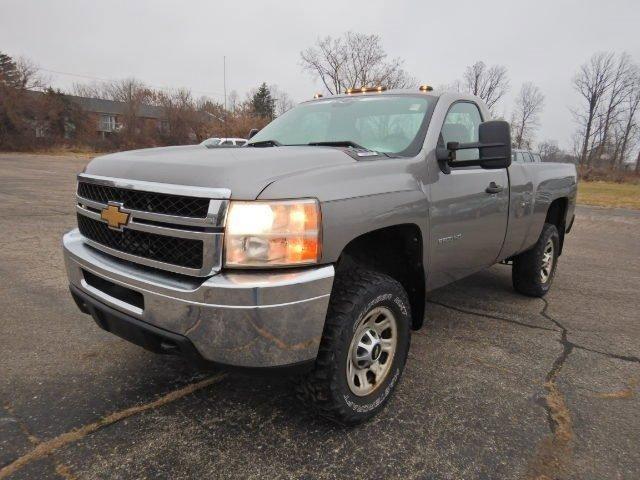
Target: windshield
386,124
211,142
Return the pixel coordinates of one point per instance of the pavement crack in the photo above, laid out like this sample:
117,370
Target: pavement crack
567,346
554,453
624,358
491,316
564,340
48,447
62,470
21,425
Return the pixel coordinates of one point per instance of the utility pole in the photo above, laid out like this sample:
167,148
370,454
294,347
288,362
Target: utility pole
224,80
224,84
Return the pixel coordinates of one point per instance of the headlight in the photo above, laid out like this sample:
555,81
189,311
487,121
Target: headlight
279,233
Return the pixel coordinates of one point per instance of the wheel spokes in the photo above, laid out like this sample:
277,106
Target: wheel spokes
387,344
547,262
372,351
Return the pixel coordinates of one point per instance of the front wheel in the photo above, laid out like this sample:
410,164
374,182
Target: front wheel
363,348
533,270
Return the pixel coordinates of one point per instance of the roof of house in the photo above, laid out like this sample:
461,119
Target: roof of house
112,107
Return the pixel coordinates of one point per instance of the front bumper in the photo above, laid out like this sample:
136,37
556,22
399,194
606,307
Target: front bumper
241,319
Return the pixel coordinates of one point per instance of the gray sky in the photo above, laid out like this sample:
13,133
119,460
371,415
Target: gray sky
181,44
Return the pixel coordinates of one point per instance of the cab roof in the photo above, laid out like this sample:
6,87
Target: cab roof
414,92
396,91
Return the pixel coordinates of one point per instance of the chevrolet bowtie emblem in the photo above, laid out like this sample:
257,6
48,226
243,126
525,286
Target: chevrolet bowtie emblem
115,218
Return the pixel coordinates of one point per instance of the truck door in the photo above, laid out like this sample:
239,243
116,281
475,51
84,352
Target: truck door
469,206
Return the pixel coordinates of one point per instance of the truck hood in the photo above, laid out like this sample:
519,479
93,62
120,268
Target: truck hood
245,171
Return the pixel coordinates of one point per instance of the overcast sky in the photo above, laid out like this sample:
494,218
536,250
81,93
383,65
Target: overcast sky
181,44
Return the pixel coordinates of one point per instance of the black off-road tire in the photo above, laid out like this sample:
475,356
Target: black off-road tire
526,273
325,389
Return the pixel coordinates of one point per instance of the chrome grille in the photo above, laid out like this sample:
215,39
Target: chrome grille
146,201
172,227
184,252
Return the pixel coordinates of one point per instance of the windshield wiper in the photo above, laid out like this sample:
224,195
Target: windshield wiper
348,143
337,143
265,143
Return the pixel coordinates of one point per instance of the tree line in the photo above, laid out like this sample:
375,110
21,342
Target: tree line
609,87
34,115
607,128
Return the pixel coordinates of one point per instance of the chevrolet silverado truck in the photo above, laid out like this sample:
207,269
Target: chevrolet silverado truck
312,250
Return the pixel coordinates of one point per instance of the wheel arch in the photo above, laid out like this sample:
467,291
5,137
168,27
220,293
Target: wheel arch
557,215
397,251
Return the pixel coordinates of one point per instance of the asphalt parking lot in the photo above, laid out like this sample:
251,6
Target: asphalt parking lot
497,385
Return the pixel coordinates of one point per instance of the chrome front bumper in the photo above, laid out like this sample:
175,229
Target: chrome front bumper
244,319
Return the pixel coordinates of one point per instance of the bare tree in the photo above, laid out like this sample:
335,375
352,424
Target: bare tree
630,130
549,151
233,100
90,90
621,84
610,130
488,83
282,101
30,75
133,94
525,117
354,60
592,83
185,122
20,74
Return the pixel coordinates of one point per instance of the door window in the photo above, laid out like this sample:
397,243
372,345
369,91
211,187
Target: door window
462,125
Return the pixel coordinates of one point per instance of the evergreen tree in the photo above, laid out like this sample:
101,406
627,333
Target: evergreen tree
262,103
9,74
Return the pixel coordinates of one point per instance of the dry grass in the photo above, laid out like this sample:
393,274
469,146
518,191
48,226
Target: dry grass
609,194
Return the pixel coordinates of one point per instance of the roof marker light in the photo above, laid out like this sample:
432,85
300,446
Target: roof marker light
426,88
317,95
349,91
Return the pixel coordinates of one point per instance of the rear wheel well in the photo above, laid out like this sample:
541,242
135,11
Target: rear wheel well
557,215
395,251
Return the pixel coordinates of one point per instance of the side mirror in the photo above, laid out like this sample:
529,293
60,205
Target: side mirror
494,146
252,132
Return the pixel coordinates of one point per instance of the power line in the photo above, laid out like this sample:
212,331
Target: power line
102,79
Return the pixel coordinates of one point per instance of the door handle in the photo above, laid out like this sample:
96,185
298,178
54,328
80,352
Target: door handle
494,188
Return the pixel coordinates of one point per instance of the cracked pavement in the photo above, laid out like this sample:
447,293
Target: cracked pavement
497,385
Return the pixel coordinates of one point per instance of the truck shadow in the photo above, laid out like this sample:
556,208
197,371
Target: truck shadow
272,398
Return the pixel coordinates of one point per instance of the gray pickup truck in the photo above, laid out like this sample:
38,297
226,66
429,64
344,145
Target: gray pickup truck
312,249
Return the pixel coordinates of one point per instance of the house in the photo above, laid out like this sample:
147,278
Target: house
105,116
109,115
